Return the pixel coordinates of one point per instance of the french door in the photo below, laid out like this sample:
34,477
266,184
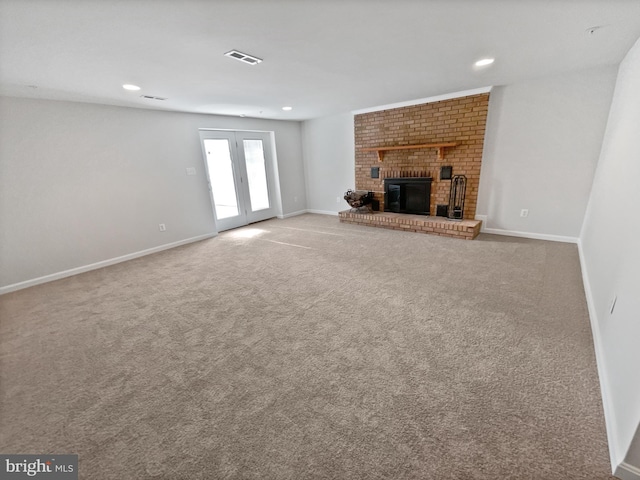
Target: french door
240,173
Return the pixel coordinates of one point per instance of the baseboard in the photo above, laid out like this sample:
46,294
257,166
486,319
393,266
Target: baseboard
607,405
104,263
627,472
535,236
483,218
292,214
322,212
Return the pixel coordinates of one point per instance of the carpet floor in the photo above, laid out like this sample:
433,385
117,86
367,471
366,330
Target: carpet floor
308,349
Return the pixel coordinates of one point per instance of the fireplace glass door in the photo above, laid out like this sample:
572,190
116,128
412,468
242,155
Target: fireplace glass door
407,195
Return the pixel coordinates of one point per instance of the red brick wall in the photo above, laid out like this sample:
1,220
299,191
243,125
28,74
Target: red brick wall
461,120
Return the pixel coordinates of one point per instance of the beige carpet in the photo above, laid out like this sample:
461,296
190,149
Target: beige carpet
307,349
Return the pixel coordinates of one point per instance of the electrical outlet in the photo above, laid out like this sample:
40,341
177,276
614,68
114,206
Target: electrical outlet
524,212
162,227
191,171
295,199
338,199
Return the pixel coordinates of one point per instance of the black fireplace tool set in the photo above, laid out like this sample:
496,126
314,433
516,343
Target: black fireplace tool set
457,193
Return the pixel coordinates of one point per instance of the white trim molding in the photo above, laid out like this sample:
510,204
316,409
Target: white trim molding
607,405
104,263
322,212
420,101
627,472
535,236
483,218
292,214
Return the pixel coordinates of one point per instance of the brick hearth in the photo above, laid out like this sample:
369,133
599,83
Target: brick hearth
465,229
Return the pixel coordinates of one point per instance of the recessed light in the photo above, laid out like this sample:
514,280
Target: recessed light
287,109
128,86
484,62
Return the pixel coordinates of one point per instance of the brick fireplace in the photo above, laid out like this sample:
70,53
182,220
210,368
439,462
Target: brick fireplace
447,133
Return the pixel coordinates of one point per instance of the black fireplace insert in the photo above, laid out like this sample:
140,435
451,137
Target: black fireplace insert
407,195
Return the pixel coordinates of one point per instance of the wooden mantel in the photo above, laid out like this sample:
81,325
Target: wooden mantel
439,146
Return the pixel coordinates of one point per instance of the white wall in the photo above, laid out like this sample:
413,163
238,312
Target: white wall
84,183
542,144
541,147
610,250
329,161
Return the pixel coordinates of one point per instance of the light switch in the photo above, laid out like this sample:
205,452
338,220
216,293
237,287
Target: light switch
191,171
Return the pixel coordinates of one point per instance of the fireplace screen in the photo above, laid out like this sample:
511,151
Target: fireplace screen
407,195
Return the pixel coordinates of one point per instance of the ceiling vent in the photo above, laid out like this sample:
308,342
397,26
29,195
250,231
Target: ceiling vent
243,57
151,97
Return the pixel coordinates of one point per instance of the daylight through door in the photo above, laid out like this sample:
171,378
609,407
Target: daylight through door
240,175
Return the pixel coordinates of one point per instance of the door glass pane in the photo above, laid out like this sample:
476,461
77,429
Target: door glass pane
221,176
257,174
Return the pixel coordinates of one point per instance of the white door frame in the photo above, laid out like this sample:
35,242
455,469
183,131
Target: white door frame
235,140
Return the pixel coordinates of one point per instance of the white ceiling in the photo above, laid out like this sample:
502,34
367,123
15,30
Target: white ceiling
320,57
